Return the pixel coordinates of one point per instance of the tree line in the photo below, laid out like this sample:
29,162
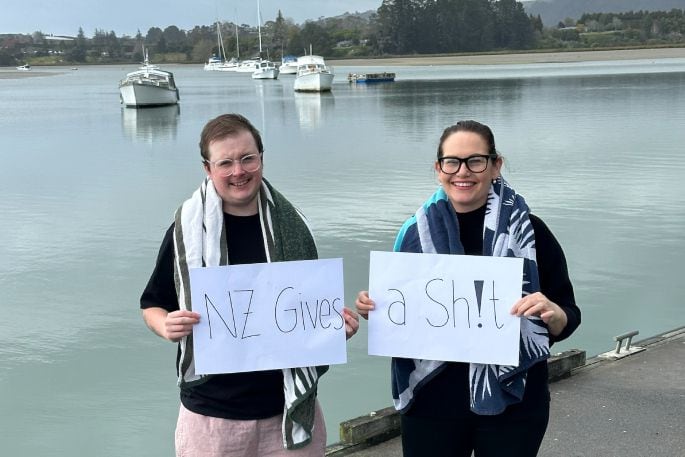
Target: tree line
449,26
398,27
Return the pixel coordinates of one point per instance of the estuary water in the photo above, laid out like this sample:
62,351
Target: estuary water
88,188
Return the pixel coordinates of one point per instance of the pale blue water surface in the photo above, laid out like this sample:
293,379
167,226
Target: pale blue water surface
88,189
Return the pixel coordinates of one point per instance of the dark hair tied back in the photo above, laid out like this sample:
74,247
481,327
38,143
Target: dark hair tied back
474,127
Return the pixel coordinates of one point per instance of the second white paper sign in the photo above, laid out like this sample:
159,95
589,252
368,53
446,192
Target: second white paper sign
445,307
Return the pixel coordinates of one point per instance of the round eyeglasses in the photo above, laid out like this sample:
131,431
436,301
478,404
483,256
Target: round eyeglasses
476,163
226,167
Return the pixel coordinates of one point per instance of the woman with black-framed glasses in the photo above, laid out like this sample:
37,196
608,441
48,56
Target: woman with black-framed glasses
453,408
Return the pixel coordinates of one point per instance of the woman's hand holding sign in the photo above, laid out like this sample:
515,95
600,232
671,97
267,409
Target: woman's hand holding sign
538,304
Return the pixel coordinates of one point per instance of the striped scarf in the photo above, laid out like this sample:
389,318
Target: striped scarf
200,241
507,232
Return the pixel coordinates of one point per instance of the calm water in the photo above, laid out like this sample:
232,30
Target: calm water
88,189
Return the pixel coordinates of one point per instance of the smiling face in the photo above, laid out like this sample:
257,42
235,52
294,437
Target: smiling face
466,190
240,190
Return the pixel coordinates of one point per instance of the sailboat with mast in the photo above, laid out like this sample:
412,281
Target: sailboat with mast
220,62
265,69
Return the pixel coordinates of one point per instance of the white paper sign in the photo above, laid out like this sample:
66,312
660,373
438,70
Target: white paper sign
445,307
267,316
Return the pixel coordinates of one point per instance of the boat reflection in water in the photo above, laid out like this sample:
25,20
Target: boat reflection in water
151,124
313,108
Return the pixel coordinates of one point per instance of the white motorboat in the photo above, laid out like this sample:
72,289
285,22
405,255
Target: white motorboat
220,62
312,75
148,86
25,67
288,65
266,69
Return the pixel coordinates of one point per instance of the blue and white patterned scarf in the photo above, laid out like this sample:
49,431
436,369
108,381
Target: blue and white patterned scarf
507,232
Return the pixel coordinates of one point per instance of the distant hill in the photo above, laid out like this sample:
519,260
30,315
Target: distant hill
364,16
554,11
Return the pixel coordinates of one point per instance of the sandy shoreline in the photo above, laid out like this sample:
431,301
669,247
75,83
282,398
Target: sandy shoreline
471,59
519,58
10,73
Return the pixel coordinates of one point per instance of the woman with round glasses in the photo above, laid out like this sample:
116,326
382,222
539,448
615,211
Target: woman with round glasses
452,408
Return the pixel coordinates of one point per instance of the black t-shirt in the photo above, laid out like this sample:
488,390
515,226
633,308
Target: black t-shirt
446,395
243,396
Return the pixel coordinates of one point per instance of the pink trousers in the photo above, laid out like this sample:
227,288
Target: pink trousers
204,436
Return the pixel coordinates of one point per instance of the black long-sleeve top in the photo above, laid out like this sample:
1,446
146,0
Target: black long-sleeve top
447,394
241,396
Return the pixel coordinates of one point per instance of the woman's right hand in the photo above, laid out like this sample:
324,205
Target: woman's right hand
179,324
364,304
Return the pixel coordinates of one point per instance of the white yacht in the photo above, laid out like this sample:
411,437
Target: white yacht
288,65
148,86
248,66
220,62
215,63
312,75
265,69
25,67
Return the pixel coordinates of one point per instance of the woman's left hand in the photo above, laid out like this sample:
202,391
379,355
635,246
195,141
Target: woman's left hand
538,305
351,322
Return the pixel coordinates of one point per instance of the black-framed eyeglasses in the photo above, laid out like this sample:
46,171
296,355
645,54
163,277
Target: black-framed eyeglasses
476,163
226,167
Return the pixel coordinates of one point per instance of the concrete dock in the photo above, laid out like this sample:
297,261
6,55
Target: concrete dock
629,405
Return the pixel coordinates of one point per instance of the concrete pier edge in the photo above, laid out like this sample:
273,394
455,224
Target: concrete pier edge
382,425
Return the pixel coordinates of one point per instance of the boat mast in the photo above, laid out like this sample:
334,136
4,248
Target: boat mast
220,38
259,28
237,45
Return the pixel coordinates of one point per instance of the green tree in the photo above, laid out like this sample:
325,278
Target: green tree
279,33
112,45
174,38
317,37
78,51
153,37
202,50
514,29
397,26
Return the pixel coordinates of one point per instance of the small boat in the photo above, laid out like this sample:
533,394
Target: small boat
219,62
25,67
247,66
288,65
148,86
215,63
312,75
371,77
265,69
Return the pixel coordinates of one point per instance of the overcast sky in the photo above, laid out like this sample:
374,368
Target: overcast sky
126,17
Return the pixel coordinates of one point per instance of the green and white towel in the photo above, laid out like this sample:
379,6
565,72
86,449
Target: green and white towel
200,241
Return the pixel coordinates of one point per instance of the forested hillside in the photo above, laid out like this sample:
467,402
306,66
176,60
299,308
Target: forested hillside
554,11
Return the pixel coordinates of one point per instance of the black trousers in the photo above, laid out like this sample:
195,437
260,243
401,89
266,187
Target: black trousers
510,434
440,422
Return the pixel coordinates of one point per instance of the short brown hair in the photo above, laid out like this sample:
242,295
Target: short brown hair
227,125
